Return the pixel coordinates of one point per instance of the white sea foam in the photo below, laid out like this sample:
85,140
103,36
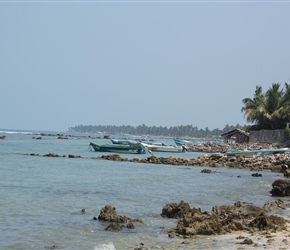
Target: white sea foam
109,246
16,132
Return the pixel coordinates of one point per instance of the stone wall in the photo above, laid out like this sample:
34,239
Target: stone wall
270,136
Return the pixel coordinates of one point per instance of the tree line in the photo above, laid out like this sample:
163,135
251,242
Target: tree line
266,110
173,131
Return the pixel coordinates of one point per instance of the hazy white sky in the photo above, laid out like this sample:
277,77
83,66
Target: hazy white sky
163,63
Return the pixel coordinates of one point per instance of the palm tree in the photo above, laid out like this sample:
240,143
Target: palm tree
252,107
270,110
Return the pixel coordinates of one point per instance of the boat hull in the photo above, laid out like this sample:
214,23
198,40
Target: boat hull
179,142
251,153
171,149
131,149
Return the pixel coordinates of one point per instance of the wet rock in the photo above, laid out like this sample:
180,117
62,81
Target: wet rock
130,225
74,156
53,155
62,137
113,157
257,175
265,222
274,205
201,225
287,173
284,168
221,220
53,247
280,188
114,227
180,210
108,213
207,171
247,241
141,247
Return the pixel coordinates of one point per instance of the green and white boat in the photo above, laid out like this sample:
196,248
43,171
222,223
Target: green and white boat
259,152
132,148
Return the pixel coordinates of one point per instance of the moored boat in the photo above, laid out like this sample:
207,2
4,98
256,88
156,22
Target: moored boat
121,141
180,142
259,152
165,148
136,148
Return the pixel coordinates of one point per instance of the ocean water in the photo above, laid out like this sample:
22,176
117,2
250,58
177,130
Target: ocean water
41,198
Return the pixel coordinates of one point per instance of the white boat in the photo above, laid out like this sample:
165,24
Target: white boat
165,148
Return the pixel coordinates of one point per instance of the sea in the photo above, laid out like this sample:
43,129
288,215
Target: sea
41,198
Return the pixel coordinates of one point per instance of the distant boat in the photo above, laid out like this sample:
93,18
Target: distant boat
180,142
121,141
130,142
156,143
165,148
259,152
136,148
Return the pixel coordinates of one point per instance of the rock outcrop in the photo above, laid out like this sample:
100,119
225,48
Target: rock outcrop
221,220
109,214
281,188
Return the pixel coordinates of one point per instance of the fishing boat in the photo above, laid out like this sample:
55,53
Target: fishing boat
165,148
136,148
156,143
121,141
180,142
259,152
127,141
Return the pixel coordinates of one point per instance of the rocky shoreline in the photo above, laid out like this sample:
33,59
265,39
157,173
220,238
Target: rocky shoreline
249,224
214,157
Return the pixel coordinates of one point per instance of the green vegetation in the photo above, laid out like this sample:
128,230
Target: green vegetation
176,131
270,110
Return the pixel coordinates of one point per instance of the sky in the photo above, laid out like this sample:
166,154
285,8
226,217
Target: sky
158,63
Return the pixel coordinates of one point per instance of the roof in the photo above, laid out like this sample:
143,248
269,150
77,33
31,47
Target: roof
234,132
